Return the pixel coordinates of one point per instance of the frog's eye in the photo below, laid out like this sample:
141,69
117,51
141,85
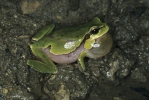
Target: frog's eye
94,31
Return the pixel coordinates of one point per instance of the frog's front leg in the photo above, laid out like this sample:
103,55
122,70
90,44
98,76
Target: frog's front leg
46,66
81,60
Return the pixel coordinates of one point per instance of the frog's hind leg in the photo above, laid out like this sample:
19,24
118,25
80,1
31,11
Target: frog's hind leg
46,66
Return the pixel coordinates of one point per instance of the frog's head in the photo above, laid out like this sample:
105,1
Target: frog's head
97,30
99,41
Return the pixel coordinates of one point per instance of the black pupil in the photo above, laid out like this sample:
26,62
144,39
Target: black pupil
95,31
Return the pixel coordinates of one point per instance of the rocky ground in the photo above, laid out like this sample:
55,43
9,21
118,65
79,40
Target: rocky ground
123,74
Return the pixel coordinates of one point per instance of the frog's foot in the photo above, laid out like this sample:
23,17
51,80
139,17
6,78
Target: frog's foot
80,68
85,72
46,66
41,67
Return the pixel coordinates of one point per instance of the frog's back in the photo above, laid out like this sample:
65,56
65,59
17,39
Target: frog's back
75,32
66,40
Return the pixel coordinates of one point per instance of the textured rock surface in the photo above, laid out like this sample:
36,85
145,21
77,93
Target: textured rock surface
121,75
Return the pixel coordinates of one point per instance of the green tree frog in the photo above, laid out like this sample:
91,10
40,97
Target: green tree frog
69,44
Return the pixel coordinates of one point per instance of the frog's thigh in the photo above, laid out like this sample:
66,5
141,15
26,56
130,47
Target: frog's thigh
47,66
42,43
81,60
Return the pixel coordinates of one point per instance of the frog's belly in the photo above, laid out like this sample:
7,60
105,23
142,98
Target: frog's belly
65,58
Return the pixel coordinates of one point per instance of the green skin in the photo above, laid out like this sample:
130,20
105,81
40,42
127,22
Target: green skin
58,39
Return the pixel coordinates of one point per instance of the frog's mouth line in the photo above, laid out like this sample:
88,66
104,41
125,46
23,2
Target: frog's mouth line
87,36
